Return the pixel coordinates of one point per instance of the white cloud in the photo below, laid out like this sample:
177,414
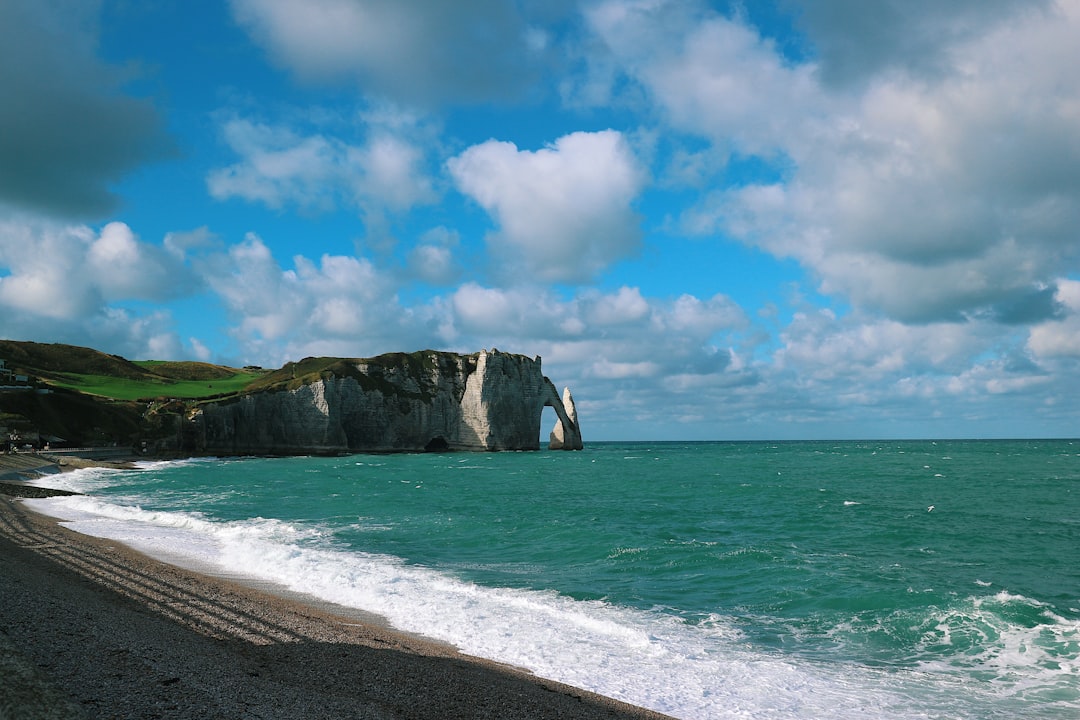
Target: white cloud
63,283
199,351
819,345
181,242
717,77
704,318
494,313
927,196
413,51
340,305
565,211
626,305
391,173
69,272
857,42
432,260
876,376
280,166
1060,338
125,268
615,348
608,370
43,265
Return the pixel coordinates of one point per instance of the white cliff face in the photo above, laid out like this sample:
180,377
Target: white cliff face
437,401
503,402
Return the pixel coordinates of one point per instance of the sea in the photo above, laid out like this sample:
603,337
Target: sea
885,579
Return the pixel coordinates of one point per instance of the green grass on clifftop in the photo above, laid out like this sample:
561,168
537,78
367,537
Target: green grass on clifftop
111,376
153,387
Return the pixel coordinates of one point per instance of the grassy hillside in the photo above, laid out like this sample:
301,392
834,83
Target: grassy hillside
187,370
45,360
152,387
96,373
100,399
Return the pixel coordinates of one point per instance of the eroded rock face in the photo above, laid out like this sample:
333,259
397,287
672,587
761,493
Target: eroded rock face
566,436
431,400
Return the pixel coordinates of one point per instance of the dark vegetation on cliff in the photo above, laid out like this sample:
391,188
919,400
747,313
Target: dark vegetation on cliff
382,373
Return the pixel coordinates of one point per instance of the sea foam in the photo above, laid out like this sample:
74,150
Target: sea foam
651,659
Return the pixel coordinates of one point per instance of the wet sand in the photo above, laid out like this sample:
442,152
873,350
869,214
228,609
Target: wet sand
92,629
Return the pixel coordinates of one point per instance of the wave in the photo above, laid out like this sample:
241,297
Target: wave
1017,644
654,659
91,479
1016,648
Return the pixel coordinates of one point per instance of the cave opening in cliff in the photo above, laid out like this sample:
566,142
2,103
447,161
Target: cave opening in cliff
437,444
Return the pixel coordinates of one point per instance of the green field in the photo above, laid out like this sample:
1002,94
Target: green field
140,389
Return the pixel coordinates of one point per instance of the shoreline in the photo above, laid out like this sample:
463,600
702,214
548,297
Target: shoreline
92,628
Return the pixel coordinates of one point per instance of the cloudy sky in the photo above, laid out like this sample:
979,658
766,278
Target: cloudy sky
757,219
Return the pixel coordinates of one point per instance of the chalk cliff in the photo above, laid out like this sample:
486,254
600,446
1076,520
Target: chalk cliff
566,437
397,402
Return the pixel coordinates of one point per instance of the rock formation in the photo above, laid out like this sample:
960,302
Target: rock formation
397,402
568,436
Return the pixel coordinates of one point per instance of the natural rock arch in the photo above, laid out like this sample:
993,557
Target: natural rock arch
566,435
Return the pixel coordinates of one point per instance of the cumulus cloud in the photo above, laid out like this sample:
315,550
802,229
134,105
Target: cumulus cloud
391,173
281,167
709,74
1060,338
857,41
64,283
67,131
820,346
414,51
626,305
338,305
949,195
70,272
871,376
432,260
565,212
125,268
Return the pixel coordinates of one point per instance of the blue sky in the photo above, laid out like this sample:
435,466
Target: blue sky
726,220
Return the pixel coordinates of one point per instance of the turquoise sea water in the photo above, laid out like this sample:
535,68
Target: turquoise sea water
705,580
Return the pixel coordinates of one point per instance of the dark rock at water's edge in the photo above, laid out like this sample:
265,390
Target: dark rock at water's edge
24,490
431,400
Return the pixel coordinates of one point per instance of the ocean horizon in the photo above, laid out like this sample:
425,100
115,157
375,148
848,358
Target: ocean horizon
703,579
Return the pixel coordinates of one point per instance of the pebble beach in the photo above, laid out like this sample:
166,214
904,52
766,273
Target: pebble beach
92,629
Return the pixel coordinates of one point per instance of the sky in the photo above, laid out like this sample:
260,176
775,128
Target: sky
775,219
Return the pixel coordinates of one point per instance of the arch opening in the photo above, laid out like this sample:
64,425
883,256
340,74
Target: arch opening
548,418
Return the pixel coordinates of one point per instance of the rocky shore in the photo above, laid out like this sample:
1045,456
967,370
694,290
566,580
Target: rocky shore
92,629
